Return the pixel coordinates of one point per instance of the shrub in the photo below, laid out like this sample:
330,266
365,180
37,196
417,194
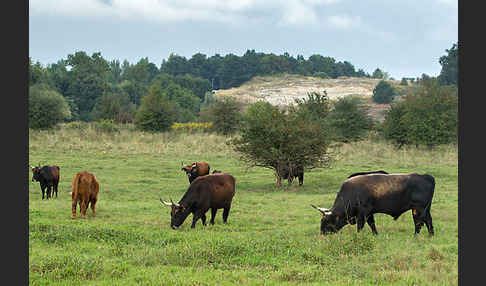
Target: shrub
281,140
427,117
192,126
349,120
46,107
404,81
383,92
225,115
106,126
114,106
156,113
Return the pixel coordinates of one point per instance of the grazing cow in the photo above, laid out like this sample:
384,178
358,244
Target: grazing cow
85,191
195,170
48,177
366,173
207,192
362,196
285,174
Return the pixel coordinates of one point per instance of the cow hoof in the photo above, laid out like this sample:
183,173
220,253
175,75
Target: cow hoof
73,217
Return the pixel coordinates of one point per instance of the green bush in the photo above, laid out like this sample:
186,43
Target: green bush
427,117
225,114
46,107
114,106
106,126
383,92
157,112
282,140
349,121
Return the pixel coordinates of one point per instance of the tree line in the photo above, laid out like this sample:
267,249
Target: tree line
95,88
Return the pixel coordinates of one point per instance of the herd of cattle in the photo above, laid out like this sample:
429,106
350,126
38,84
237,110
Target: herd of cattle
361,196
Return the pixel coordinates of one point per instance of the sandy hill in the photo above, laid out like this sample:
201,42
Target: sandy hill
284,89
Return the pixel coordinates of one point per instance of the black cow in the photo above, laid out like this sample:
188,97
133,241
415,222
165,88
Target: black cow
285,174
48,177
367,173
207,192
362,196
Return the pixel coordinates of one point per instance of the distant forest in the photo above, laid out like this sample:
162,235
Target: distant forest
95,88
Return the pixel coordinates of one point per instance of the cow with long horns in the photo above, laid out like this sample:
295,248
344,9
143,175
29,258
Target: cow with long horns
48,178
213,192
362,196
195,170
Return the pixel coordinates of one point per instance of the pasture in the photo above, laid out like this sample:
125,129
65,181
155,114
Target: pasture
272,235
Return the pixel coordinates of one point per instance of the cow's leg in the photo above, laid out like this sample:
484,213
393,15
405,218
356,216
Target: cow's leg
371,223
75,202
301,179
428,222
226,213
361,222
279,179
195,216
43,188
83,206
213,215
55,188
203,219
290,179
93,202
417,220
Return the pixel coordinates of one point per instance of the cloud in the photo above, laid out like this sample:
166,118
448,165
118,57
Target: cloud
291,12
342,21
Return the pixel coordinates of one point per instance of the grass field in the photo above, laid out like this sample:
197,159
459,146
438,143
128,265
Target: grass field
272,235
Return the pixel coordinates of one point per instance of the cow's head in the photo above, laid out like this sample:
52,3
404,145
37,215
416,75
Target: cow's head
36,173
191,171
178,213
330,222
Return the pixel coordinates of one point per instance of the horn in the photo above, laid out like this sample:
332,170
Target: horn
324,211
177,205
165,203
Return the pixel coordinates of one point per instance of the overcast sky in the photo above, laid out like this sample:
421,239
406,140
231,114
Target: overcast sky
404,38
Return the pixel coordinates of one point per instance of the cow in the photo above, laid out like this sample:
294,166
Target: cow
48,177
285,174
362,196
85,189
195,170
366,173
207,192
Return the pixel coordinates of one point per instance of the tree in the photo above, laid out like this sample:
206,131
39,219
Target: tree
114,105
157,112
281,140
378,74
46,107
348,120
383,92
449,72
225,115
88,80
427,117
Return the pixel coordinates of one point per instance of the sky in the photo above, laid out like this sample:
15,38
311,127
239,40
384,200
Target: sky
403,38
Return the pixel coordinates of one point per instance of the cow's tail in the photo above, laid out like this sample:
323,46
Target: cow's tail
75,189
431,180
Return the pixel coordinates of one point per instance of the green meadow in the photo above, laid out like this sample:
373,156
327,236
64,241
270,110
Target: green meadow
272,236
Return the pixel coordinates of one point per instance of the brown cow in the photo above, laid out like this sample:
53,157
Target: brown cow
85,190
195,170
206,192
